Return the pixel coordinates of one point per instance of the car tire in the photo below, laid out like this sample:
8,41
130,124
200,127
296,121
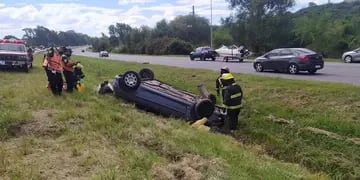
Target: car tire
191,58
259,67
241,60
293,68
312,71
147,73
348,59
131,80
202,58
26,69
204,108
213,58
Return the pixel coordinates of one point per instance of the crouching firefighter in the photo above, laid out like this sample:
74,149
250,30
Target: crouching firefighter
231,96
53,66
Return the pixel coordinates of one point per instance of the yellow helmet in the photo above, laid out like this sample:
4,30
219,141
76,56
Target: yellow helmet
227,76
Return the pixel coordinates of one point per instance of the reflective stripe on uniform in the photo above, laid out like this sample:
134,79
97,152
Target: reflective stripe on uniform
235,95
233,107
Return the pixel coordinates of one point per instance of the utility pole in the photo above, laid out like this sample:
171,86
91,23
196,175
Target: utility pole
193,12
211,38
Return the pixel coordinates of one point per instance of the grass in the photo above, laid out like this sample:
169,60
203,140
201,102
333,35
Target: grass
85,135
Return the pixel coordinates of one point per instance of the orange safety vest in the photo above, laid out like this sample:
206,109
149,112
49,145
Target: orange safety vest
54,63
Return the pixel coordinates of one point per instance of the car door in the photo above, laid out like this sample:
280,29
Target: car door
357,55
272,59
283,60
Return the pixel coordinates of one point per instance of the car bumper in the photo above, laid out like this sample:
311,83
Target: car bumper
14,64
305,67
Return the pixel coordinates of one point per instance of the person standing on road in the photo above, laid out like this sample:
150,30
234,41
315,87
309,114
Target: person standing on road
223,70
231,94
53,67
68,72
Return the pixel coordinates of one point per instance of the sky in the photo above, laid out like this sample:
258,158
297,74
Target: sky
93,17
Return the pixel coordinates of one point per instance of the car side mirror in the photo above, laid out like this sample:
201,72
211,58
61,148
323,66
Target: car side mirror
266,56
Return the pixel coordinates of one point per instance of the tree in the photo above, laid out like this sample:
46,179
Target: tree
194,29
312,4
254,15
10,37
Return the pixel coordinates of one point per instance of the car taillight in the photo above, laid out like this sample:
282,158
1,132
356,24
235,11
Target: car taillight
304,58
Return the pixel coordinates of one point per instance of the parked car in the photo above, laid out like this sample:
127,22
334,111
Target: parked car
154,95
103,54
203,53
351,56
14,54
291,60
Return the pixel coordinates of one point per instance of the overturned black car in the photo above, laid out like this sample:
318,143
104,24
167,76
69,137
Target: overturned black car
154,95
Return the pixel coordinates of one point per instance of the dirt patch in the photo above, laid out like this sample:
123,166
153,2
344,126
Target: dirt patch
42,124
189,167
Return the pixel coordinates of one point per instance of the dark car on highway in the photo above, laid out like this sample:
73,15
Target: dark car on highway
203,53
290,60
156,96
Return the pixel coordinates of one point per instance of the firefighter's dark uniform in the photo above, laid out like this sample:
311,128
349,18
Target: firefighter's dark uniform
68,70
53,65
231,94
223,70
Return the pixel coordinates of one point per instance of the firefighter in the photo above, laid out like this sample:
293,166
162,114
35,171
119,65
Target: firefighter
223,70
54,69
68,72
231,95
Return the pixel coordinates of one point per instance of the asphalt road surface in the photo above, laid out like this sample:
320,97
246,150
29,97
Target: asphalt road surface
335,72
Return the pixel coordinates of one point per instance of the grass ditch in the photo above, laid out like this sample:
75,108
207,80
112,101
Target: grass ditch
103,137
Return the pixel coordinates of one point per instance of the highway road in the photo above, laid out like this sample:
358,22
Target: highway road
334,72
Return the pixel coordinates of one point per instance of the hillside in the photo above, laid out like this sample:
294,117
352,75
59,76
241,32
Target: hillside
338,10
330,29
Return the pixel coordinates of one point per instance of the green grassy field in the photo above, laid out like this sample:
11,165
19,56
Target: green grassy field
85,135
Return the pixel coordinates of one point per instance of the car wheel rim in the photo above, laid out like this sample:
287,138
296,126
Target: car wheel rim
130,80
348,59
292,69
258,67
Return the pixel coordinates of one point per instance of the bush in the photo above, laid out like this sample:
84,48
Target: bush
178,46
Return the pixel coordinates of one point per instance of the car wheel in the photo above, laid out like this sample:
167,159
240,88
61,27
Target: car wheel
202,58
26,69
226,59
259,67
204,108
312,71
147,73
241,60
191,58
348,59
293,69
131,80
213,58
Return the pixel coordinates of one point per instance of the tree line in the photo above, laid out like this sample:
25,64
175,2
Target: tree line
261,26
42,36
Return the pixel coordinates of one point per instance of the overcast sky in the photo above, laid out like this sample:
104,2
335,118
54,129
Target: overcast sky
94,16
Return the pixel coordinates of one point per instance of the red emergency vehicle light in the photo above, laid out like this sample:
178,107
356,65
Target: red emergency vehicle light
13,41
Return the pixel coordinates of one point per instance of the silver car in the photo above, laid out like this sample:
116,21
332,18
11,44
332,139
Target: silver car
351,56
